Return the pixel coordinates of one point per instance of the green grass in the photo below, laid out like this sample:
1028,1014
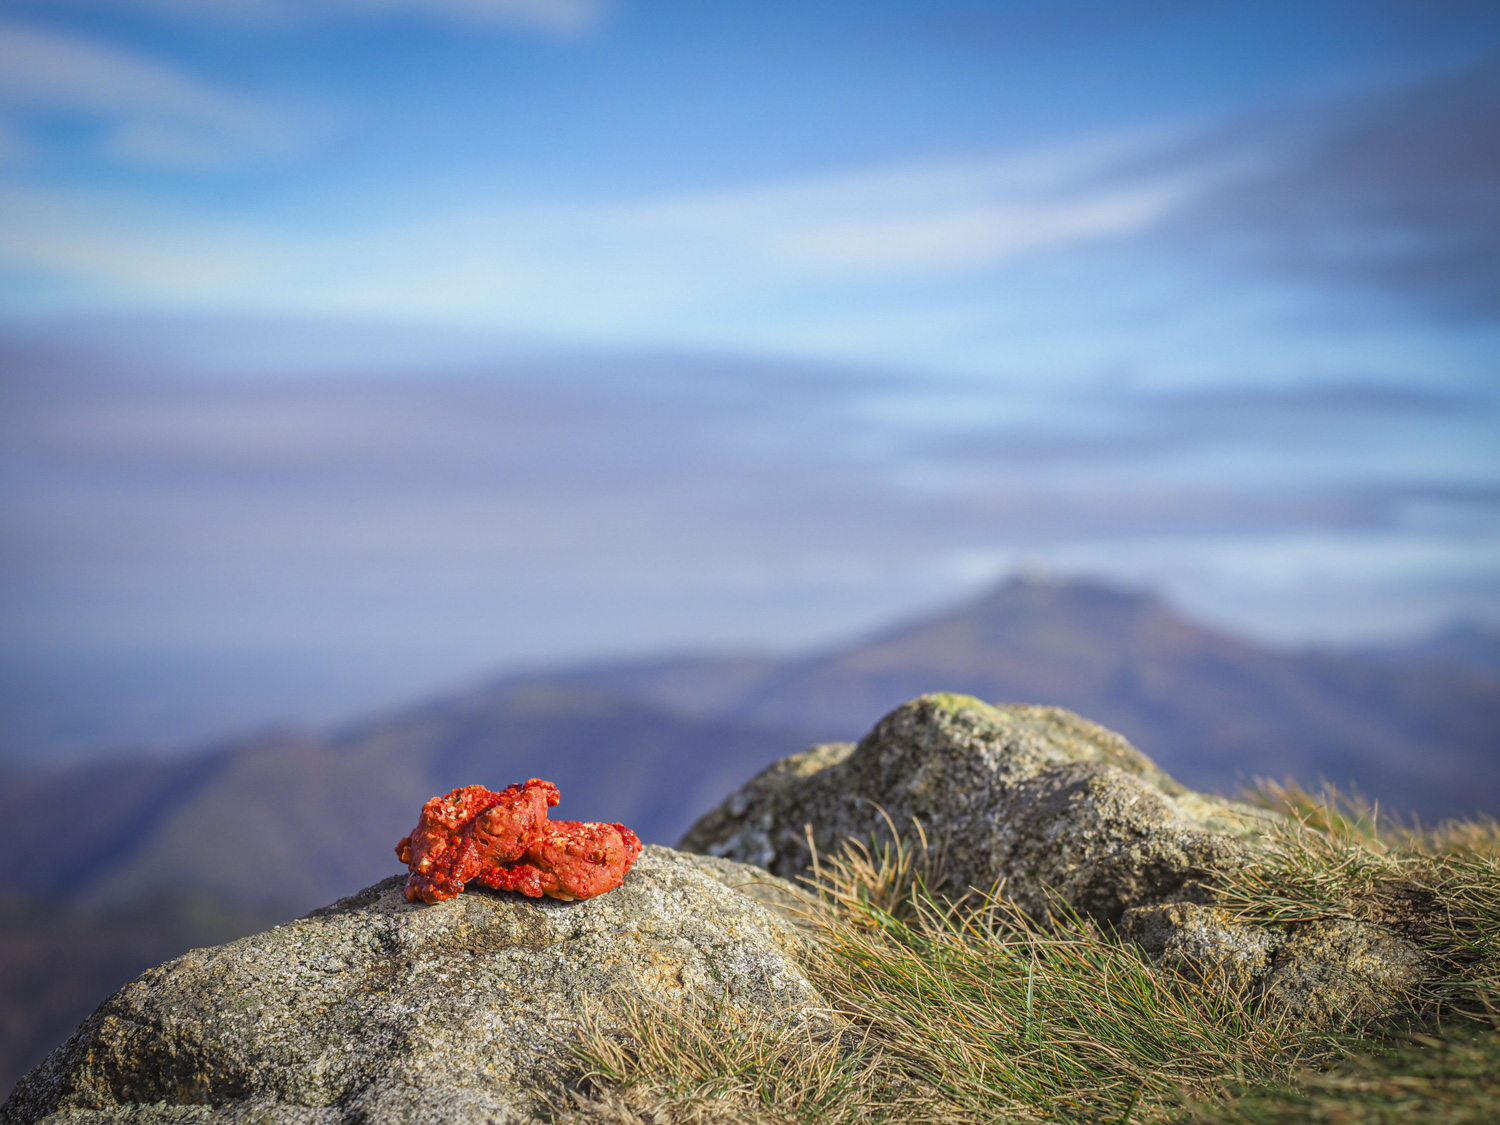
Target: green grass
1334,857
974,1011
1422,1081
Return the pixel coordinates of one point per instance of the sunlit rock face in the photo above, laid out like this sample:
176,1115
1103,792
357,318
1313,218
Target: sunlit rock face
1059,811
379,1010
1048,802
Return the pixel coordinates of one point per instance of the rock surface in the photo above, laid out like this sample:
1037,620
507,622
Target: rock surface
1343,971
376,1010
1034,796
1203,942
1054,806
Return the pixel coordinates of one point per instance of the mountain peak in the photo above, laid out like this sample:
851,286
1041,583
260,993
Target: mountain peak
1034,605
1053,591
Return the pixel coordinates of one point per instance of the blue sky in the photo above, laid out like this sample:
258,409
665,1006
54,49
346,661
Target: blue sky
354,347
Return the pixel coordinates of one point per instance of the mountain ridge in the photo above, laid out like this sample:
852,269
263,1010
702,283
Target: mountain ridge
1211,707
286,819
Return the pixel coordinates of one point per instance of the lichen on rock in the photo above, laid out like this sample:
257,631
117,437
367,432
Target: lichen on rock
1203,942
1344,971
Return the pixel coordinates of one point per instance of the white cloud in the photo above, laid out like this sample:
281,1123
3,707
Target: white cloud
43,67
926,218
723,261
547,15
560,16
665,268
110,248
153,113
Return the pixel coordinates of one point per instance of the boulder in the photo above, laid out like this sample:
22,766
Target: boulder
377,1010
1035,797
1058,809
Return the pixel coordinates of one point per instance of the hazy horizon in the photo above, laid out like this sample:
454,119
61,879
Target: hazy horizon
167,704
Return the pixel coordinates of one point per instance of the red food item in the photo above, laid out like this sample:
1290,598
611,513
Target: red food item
573,859
471,830
504,840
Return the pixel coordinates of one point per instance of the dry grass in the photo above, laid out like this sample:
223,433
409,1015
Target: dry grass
974,1011
1334,856
999,1016
646,1065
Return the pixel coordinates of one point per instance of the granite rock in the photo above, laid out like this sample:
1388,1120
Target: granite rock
1052,805
1056,809
1204,942
1343,971
376,1010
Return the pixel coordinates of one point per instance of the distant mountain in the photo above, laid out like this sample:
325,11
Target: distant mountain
289,821
1417,729
1474,648
119,863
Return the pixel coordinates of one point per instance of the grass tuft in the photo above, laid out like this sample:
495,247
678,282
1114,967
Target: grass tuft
973,1011
1334,856
1424,1079
645,1064
999,1016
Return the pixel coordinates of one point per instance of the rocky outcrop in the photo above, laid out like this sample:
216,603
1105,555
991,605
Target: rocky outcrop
1057,809
376,1010
1036,797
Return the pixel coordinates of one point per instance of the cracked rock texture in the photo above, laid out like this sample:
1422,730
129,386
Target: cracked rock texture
376,1010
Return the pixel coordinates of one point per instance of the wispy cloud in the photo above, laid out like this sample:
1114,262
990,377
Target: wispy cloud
150,112
600,267
559,16
1396,190
109,247
718,443
926,218
549,15
39,67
